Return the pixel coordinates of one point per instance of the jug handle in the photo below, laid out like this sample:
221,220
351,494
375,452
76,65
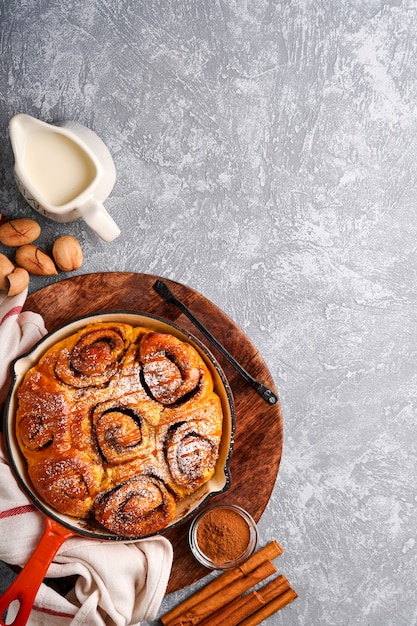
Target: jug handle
95,215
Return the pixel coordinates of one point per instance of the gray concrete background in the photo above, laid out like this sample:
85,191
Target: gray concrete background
266,156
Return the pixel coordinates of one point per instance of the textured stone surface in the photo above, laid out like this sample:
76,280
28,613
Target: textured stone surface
265,156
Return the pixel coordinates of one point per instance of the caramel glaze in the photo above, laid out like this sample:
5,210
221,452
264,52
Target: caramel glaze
119,423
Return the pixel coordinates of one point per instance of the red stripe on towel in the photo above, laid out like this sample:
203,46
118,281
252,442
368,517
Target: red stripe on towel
42,609
14,311
19,510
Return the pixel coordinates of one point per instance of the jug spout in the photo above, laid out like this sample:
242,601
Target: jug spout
20,126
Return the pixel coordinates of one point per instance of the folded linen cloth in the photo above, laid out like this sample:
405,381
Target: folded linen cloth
19,331
118,584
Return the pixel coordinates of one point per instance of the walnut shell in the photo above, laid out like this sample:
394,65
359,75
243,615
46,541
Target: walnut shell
19,232
35,260
18,281
67,253
6,268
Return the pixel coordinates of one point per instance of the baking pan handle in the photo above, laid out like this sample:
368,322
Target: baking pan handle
25,587
267,394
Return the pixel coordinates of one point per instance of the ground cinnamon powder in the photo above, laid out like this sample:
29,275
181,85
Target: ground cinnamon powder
222,535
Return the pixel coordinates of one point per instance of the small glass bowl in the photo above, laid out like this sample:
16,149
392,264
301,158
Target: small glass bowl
207,517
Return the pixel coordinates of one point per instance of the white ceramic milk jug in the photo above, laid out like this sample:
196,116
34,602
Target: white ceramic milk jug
64,172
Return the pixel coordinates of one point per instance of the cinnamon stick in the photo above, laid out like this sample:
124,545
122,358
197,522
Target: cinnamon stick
269,609
244,606
266,553
210,605
274,589
236,611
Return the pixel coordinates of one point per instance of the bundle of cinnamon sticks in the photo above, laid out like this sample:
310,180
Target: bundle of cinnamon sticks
225,601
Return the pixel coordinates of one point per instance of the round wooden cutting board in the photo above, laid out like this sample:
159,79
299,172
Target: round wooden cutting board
258,436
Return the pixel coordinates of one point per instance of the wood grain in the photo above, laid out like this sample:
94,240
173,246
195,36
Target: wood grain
258,438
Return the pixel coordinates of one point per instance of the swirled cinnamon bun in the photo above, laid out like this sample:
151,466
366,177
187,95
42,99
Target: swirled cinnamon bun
191,443
42,418
122,431
92,356
70,482
171,368
118,424
139,507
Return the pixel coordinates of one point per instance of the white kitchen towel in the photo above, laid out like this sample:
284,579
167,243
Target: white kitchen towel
118,584
19,331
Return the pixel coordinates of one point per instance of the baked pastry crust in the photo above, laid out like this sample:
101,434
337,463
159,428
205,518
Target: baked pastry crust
119,423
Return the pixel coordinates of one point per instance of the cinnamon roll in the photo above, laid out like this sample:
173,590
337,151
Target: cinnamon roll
139,507
122,431
119,423
70,482
171,368
191,444
92,356
42,418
